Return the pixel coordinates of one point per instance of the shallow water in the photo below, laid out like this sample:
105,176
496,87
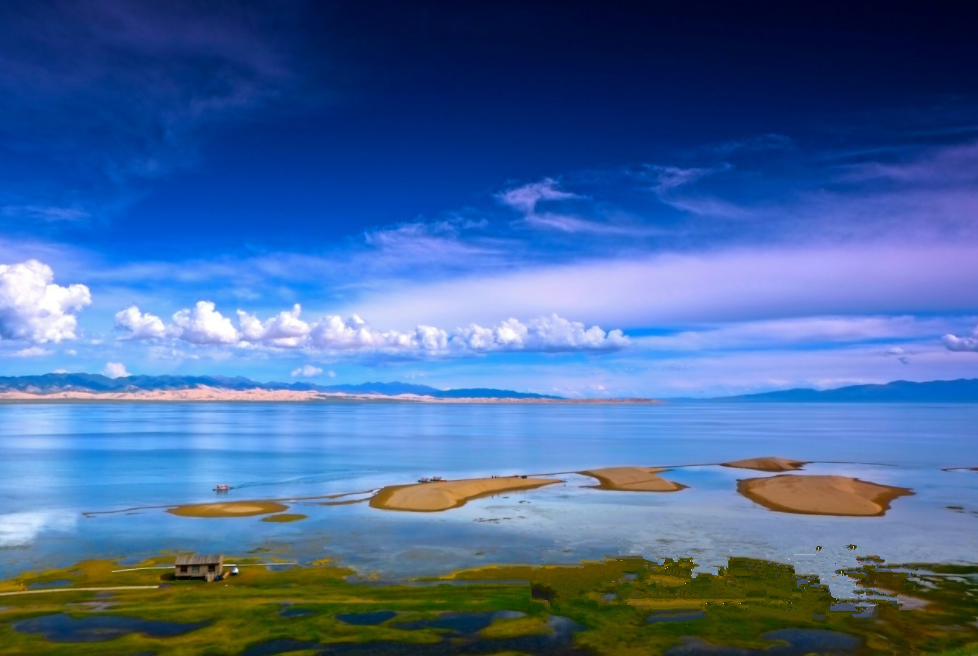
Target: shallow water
99,628
367,618
676,615
459,622
800,642
463,640
58,461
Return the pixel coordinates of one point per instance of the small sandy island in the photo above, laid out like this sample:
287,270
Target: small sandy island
633,479
444,495
229,509
821,495
769,464
284,518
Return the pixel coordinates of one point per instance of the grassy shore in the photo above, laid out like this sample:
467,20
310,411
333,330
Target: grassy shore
611,602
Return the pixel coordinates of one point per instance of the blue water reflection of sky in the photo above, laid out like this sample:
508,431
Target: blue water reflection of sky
58,461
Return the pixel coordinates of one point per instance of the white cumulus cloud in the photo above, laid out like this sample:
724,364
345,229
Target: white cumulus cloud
552,333
115,370
333,333
307,371
285,329
955,343
33,308
203,325
139,325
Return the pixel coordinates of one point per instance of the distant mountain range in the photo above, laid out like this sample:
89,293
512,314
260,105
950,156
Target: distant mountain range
96,383
900,391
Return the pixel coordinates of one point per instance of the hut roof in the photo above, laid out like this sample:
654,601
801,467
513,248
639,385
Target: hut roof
199,559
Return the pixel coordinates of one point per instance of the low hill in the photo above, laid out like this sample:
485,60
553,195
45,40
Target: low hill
99,384
900,391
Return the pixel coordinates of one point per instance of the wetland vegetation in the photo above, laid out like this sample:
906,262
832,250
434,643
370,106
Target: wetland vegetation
620,606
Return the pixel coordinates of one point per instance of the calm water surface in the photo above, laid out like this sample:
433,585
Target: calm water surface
60,460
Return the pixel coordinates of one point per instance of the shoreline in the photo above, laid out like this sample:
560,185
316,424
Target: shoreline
620,594
217,395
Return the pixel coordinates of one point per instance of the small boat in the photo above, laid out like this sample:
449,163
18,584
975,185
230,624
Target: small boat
437,479
424,479
223,487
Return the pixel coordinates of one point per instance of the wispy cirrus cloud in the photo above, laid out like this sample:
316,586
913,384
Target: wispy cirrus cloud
526,198
676,187
799,331
111,94
731,284
46,213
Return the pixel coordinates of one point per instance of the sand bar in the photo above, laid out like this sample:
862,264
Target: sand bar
229,509
633,479
821,495
284,518
444,495
768,464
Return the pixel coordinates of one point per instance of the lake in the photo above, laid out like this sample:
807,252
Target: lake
58,461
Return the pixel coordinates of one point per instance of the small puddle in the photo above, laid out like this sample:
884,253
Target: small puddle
860,611
60,583
289,611
98,628
367,618
676,615
281,646
800,642
459,622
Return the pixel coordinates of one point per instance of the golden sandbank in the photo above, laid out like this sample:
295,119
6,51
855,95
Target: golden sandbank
284,518
821,495
633,479
229,509
444,495
768,464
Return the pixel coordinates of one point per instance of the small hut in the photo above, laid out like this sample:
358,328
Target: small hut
199,567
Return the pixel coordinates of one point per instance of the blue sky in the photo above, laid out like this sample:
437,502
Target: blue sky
590,199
